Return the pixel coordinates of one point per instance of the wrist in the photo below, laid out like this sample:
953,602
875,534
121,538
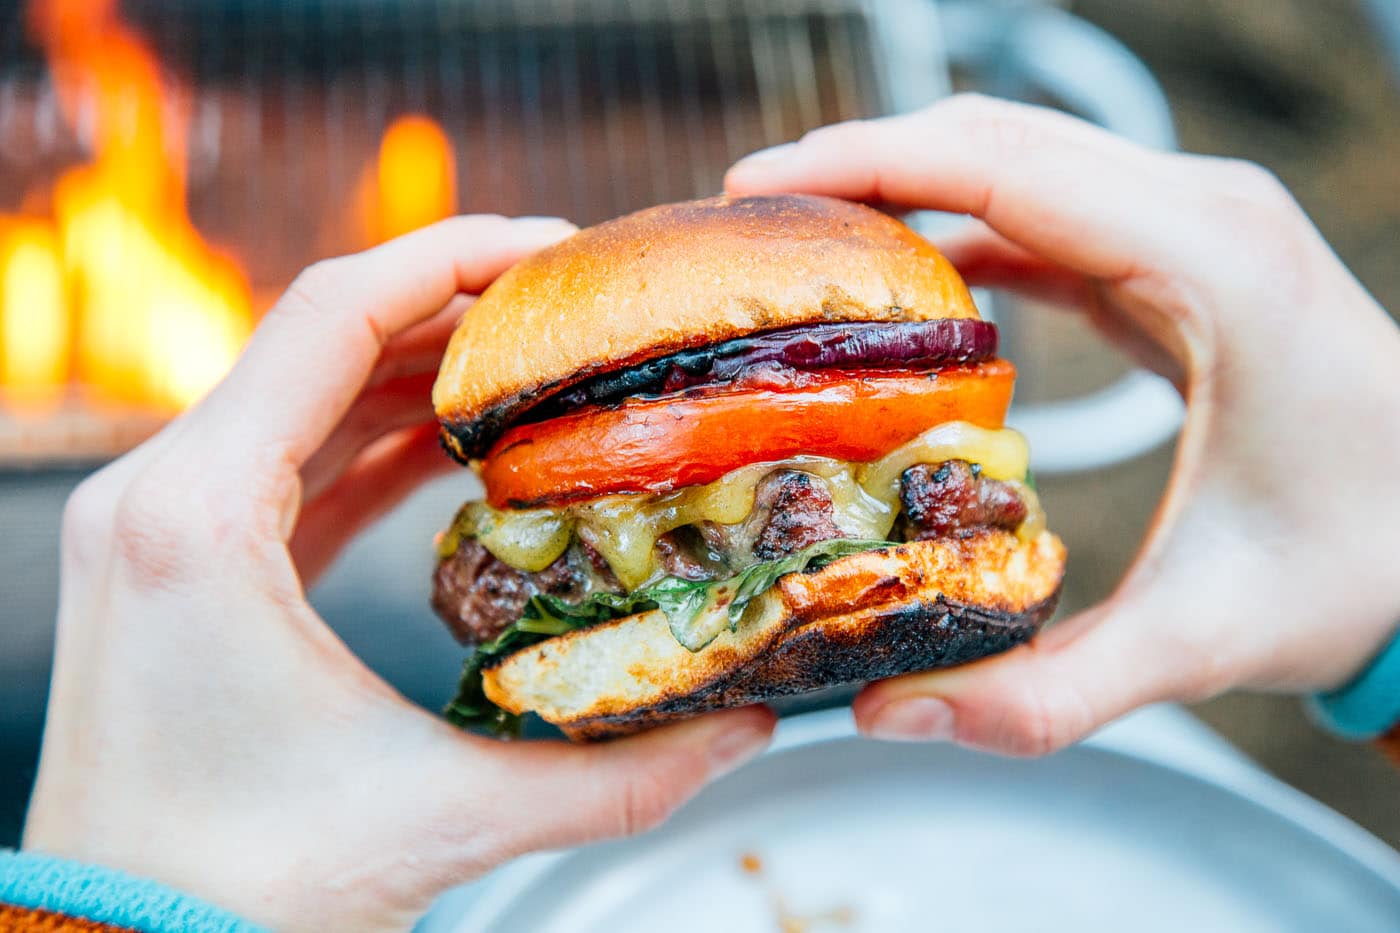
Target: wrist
43,890
1367,705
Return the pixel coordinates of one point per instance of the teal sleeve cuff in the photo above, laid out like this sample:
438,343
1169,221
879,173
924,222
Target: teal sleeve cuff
102,895
1369,706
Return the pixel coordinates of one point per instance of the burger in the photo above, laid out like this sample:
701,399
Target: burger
732,449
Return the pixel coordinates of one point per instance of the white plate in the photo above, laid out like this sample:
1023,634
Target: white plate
932,837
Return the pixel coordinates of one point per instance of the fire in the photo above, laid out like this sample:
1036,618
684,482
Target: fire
156,316
414,182
110,287
34,343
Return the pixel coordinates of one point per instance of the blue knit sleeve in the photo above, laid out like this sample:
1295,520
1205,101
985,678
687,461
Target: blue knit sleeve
102,895
1369,706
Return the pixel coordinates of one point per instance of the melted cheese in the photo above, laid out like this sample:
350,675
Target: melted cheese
1001,454
527,539
624,529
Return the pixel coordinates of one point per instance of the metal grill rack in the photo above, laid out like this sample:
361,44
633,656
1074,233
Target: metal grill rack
584,109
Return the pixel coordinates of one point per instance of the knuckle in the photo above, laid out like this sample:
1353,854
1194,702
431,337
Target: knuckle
1254,200
1200,659
467,226
980,112
1000,125
1251,180
839,135
1038,725
87,518
1032,734
648,797
164,525
968,105
1254,214
317,288
149,530
88,507
1023,136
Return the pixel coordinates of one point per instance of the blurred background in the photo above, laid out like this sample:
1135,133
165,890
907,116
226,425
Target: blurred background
167,166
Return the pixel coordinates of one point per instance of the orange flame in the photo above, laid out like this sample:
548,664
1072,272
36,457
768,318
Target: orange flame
35,335
159,315
414,182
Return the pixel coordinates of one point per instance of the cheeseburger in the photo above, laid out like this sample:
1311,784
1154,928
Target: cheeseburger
732,449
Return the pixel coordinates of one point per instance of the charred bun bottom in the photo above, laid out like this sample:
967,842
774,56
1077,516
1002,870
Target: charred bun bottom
915,607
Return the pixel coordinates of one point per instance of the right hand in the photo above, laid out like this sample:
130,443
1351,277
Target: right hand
1271,561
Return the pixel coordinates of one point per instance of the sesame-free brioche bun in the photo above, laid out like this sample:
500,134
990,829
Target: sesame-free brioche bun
876,614
673,277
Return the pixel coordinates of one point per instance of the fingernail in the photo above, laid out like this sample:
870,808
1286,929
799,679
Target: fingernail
920,719
735,746
767,156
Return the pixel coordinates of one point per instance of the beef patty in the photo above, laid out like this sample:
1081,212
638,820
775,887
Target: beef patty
479,596
953,499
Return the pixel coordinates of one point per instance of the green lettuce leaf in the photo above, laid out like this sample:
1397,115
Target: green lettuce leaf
697,611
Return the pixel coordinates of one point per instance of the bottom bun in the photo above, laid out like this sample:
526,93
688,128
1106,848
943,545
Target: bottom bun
914,607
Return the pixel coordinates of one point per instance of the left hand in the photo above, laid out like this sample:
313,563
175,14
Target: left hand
206,729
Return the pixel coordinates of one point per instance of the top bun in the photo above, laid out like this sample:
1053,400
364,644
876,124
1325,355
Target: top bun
673,277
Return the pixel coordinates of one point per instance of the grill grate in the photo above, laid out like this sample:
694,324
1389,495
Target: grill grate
587,110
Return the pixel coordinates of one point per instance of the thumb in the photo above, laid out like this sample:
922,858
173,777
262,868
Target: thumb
562,795
1045,695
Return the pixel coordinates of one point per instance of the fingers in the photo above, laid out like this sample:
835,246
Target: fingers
1055,185
1183,245
379,411
987,259
565,796
398,395
315,350
1040,697
1180,626
419,349
379,479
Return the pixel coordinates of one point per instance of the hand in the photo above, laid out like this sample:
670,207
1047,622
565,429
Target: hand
1270,563
206,729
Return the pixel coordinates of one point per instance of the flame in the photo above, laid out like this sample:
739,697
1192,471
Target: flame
414,182
36,329
159,315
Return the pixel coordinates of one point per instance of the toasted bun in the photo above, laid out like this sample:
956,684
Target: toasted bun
876,614
679,276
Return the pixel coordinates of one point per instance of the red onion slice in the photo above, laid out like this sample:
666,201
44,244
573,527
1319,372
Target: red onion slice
861,345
